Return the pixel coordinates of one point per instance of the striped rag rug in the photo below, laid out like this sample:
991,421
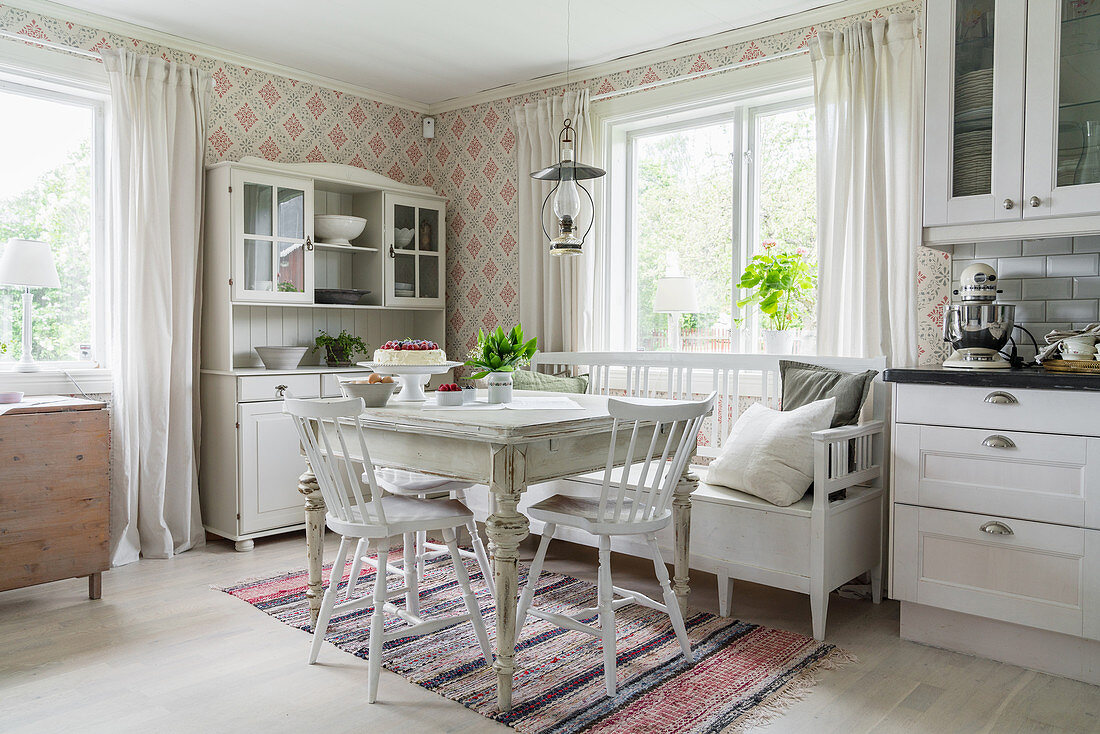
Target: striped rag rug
744,674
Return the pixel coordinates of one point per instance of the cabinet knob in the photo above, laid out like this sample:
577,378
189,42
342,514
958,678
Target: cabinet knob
995,528
309,244
1008,204
1035,201
998,442
1001,398
391,253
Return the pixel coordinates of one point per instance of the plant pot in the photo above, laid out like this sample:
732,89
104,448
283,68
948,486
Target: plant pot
778,341
337,359
500,387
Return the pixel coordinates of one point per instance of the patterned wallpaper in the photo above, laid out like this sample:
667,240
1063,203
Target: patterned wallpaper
474,166
471,161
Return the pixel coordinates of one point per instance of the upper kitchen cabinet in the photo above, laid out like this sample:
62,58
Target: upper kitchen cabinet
416,267
1012,119
272,250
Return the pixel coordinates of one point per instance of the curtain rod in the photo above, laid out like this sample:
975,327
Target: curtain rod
49,44
700,74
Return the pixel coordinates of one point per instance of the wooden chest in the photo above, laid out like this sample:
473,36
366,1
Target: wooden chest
54,496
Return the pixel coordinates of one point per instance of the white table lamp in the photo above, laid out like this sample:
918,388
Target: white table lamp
28,263
675,295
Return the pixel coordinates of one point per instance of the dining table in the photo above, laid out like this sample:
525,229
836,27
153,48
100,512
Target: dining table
507,450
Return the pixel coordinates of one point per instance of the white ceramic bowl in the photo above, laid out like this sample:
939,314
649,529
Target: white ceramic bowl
448,398
337,229
402,238
8,397
281,358
375,395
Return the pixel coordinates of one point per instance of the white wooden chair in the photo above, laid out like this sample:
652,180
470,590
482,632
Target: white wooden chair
418,550
331,434
638,508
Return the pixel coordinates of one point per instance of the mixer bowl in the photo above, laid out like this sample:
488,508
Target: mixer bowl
979,326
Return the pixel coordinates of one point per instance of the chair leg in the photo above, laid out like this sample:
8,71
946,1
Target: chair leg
421,540
412,583
533,574
671,602
725,593
482,558
876,583
819,607
606,596
468,595
329,599
377,625
356,566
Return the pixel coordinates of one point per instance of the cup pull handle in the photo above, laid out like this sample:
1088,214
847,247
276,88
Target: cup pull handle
995,528
280,391
998,442
1001,398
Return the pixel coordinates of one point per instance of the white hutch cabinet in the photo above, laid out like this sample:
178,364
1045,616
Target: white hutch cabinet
262,267
1012,119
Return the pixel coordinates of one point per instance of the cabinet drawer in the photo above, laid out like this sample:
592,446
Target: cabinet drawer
1033,476
1042,411
330,384
1036,576
262,387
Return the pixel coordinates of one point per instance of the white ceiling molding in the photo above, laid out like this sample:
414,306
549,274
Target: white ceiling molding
130,30
666,53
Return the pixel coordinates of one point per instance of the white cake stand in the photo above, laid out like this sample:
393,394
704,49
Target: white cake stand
411,377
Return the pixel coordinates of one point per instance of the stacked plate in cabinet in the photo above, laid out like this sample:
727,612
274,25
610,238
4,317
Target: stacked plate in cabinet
973,133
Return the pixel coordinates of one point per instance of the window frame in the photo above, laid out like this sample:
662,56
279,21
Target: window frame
617,122
59,80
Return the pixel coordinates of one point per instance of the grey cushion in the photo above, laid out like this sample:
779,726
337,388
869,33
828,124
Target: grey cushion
529,380
804,383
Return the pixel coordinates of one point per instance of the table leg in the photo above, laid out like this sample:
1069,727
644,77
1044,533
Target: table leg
681,519
315,539
506,529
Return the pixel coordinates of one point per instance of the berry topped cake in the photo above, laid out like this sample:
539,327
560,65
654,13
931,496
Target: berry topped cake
410,352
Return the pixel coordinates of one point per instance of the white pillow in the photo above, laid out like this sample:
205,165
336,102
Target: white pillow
770,454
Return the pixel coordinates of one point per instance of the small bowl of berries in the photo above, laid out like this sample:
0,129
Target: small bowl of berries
450,394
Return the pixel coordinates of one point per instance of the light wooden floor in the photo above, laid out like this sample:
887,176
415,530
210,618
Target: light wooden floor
162,652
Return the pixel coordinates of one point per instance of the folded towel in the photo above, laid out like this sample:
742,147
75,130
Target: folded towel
1054,339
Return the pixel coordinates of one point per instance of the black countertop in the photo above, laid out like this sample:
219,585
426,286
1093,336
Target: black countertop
1028,377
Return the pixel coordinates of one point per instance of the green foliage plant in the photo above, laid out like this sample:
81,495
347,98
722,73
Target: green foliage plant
779,284
500,351
339,348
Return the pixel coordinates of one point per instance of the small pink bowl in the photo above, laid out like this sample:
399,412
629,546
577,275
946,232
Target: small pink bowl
6,398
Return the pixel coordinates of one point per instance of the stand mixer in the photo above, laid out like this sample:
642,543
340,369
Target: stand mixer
978,328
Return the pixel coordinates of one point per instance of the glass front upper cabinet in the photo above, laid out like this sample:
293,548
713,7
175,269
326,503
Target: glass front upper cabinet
416,261
273,238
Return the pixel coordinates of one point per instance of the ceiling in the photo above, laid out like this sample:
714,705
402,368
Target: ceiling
440,49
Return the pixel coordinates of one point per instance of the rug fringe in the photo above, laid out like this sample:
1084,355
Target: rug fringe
795,691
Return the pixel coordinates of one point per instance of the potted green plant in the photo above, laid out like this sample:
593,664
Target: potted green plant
779,284
339,348
497,355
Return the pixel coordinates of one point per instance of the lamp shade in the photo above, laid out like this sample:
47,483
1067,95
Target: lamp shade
28,263
676,294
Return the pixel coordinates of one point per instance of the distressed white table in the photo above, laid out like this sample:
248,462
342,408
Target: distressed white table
506,450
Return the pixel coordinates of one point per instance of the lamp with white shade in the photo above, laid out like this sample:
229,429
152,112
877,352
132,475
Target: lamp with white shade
675,295
29,264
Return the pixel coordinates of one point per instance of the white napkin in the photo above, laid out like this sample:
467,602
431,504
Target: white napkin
28,402
542,402
431,404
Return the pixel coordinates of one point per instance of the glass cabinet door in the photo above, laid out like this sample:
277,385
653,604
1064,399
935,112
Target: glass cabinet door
974,120
273,245
1063,110
417,251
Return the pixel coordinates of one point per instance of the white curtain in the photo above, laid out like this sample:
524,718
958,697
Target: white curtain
555,293
867,93
156,185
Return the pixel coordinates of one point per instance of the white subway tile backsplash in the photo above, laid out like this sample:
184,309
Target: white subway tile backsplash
1045,289
1049,246
1011,290
1027,311
1081,309
1086,287
1021,267
1072,265
1008,248
1088,243
963,252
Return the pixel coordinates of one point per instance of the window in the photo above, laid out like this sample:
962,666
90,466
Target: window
51,148
703,192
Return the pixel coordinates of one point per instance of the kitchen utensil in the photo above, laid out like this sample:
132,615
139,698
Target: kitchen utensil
374,394
281,358
978,328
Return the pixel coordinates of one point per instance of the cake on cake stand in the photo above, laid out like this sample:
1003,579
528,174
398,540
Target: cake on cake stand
411,377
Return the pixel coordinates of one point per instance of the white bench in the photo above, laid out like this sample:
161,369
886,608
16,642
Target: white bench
813,546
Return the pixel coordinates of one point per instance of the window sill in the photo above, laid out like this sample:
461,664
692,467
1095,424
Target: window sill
51,381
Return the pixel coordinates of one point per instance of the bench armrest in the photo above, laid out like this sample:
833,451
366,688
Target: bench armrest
846,456
864,429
